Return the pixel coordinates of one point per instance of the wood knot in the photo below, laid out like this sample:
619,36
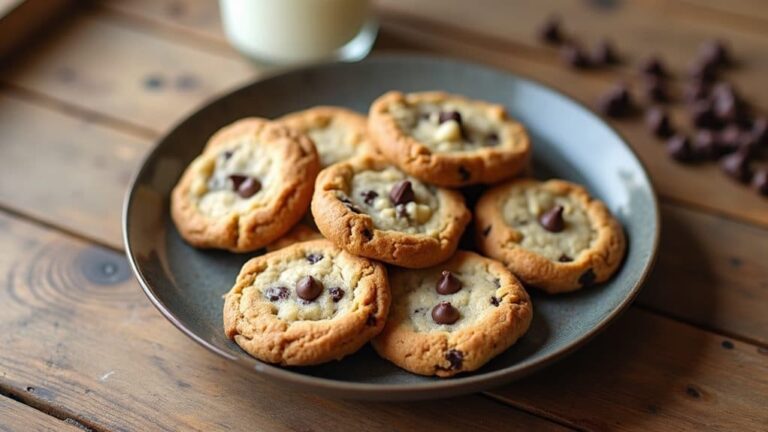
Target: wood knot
102,267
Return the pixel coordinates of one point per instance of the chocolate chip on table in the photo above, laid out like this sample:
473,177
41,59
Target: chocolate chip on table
448,283
552,219
308,288
445,116
703,115
656,89
716,52
617,102
551,31
587,278
564,258
368,196
736,166
658,122
336,294
760,181
495,301
245,186
314,258
704,145
402,193
574,55
679,148
604,53
654,66
729,139
276,293
696,91
760,131
455,358
703,71
445,313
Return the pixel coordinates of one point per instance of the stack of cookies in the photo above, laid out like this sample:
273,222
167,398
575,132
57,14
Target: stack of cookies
376,259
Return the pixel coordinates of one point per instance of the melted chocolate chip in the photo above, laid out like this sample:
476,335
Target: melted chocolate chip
401,210
369,196
463,174
445,116
550,32
564,258
658,122
455,358
276,293
445,313
736,166
313,258
402,193
588,278
367,234
308,288
350,205
336,294
486,231
552,219
245,186
494,301
448,283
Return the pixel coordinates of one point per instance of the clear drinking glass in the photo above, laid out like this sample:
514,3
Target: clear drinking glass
299,31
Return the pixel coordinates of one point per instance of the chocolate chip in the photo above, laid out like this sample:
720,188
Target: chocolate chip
494,301
729,139
237,180
654,66
313,258
564,258
492,139
658,122
656,89
367,234
336,294
402,193
605,53
679,148
715,52
617,102
350,205
455,358
760,181
463,174
445,116
588,278
573,55
760,131
552,219
696,91
448,283
704,145
276,293
227,154
402,210
308,288
486,231
445,313
369,196
736,166
497,283
703,115
550,32
726,344
703,71
371,320
245,186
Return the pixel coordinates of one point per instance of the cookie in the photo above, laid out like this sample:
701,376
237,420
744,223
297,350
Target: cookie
453,317
250,185
369,207
299,233
338,133
551,234
306,304
448,140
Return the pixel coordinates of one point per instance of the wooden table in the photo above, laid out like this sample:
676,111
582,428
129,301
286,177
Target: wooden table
81,346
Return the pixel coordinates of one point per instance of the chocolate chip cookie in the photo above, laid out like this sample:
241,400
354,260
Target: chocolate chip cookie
306,304
369,207
250,185
551,234
338,133
453,317
448,140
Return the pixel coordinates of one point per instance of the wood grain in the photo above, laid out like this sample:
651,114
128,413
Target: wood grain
17,417
746,9
20,20
96,350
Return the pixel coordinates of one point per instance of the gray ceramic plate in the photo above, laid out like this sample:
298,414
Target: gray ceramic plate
570,142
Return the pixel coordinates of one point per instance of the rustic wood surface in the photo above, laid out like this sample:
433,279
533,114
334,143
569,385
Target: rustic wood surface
80,342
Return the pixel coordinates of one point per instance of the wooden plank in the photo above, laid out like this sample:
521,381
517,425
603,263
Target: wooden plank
142,79
22,19
80,338
649,373
746,9
17,417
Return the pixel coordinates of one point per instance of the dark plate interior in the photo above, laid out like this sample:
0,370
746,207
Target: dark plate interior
569,141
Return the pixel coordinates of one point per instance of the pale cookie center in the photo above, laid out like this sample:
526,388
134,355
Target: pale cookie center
371,193
237,180
523,210
447,127
334,141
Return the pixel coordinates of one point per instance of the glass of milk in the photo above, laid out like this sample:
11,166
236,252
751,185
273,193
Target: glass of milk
299,31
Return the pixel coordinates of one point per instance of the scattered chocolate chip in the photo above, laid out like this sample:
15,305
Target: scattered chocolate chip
371,320
552,219
308,288
726,344
449,115
760,181
654,66
696,91
736,166
703,71
369,196
564,258
336,294
715,52
402,193
588,278
573,55
704,145
604,53
463,174
617,102
455,358
656,89
550,32
448,283
276,293
494,301
658,122
445,313
760,131
486,231
729,139
703,115
314,258
679,148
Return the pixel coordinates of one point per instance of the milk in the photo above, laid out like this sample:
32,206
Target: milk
296,31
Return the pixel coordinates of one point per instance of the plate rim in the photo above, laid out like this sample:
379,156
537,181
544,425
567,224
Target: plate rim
410,391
